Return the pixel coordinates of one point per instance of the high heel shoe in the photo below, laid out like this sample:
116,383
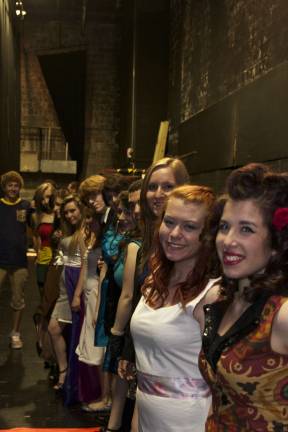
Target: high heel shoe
59,386
54,372
97,407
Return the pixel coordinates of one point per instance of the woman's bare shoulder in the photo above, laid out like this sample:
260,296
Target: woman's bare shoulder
213,294
133,247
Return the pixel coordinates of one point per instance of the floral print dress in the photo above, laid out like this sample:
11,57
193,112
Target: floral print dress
249,381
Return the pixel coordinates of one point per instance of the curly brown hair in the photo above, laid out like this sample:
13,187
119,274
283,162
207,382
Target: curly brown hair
155,286
269,191
11,176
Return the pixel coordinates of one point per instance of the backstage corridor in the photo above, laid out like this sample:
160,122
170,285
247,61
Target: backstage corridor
27,398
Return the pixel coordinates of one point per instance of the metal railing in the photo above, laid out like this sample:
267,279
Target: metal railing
46,142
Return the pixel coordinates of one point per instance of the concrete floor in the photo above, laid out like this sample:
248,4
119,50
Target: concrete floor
27,398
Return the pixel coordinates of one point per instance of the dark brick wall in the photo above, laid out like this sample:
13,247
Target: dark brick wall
218,48
102,97
37,111
52,30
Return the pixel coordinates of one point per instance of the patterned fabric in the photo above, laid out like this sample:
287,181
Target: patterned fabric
110,251
249,381
110,245
178,388
111,362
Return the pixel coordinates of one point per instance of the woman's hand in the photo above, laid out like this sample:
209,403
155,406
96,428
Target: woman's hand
76,303
57,234
126,370
100,263
94,322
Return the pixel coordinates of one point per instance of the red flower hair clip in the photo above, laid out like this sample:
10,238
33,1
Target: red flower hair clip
280,218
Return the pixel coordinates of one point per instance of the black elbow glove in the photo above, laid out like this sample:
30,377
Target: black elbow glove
115,345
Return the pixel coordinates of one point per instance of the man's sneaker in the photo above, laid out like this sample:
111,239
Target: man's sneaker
15,341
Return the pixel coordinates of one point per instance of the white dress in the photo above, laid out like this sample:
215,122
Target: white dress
172,396
86,351
62,308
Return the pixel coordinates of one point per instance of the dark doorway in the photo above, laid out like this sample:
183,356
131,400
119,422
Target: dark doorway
65,77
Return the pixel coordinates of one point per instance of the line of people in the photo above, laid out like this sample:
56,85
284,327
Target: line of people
162,292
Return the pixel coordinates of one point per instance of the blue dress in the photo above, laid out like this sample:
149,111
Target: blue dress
110,251
111,364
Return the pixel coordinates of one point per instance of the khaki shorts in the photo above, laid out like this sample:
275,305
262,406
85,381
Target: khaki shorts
18,279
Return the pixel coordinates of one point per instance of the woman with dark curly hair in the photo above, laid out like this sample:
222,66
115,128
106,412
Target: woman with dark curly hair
172,395
244,355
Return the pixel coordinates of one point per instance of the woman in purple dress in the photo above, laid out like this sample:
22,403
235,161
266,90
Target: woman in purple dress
67,310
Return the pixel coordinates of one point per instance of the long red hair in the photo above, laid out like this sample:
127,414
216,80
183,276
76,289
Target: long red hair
155,286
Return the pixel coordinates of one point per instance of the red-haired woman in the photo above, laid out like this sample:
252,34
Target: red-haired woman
172,394
160,179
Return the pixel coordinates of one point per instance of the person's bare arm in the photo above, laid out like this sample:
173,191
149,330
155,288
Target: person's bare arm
126,370
279,335
125,302
134,422
102,275
76,301
35,236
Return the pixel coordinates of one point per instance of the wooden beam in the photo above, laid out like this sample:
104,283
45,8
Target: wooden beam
160,147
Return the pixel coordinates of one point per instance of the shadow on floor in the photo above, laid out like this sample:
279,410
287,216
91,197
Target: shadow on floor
27,398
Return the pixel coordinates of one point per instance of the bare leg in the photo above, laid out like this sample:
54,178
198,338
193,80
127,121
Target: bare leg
106,386
106,378
134,423
105,381
16,320
119,393
55,330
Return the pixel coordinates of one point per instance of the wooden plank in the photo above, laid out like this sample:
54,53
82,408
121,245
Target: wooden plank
160,147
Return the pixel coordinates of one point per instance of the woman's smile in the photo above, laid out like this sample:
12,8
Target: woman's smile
230,258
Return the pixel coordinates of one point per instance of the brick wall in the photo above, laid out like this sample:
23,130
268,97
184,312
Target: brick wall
67,29
38,116
102,98
218,48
